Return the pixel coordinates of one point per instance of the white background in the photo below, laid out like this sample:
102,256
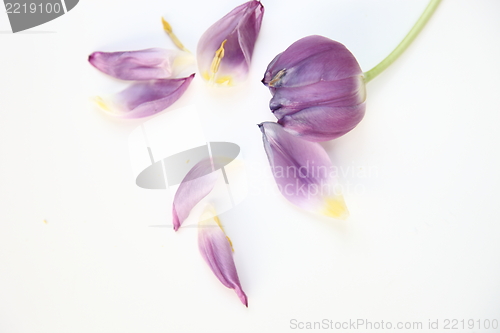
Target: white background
422,241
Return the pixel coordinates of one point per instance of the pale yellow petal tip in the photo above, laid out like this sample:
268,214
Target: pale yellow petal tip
183,62
107,107
101,104
224,81
211,214
216,218
335,207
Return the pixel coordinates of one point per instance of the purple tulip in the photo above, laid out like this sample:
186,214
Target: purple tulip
303,171
217,251
149,64
318,89
143,99
225,49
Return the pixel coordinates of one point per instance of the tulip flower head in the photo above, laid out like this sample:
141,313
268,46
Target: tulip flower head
318,89
225,49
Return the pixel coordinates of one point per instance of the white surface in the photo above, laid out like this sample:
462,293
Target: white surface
422,242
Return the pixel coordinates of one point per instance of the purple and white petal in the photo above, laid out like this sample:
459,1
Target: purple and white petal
303,171
146,98
346,92
225,50
323,122
149,64
196,185
216,249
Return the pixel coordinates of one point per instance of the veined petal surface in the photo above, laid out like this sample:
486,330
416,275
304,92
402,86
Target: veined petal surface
225,50
318,89
143,99
197,184
310,60
217,251
303,171
149,64
323,122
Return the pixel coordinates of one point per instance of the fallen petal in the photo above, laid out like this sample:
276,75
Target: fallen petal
303,171
217,251
197,184
144,99
149,64
225,50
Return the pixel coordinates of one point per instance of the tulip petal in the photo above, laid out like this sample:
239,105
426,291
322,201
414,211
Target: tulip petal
346,92
147,98
323,122
149,64
309,60
216,249
303,171
236,33
196,185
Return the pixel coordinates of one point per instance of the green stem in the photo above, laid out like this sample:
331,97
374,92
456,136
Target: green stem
426,15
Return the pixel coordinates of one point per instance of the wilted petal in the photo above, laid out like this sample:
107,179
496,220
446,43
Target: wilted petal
216,249
197,184
321,111
318,89
303,171
225,50
323,122
345,92
149,64
144,99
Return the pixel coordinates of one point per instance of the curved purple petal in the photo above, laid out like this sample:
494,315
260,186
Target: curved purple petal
303,171
346,92
239,29
146,98
216,250
310,60
149,64
197,184
323,122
